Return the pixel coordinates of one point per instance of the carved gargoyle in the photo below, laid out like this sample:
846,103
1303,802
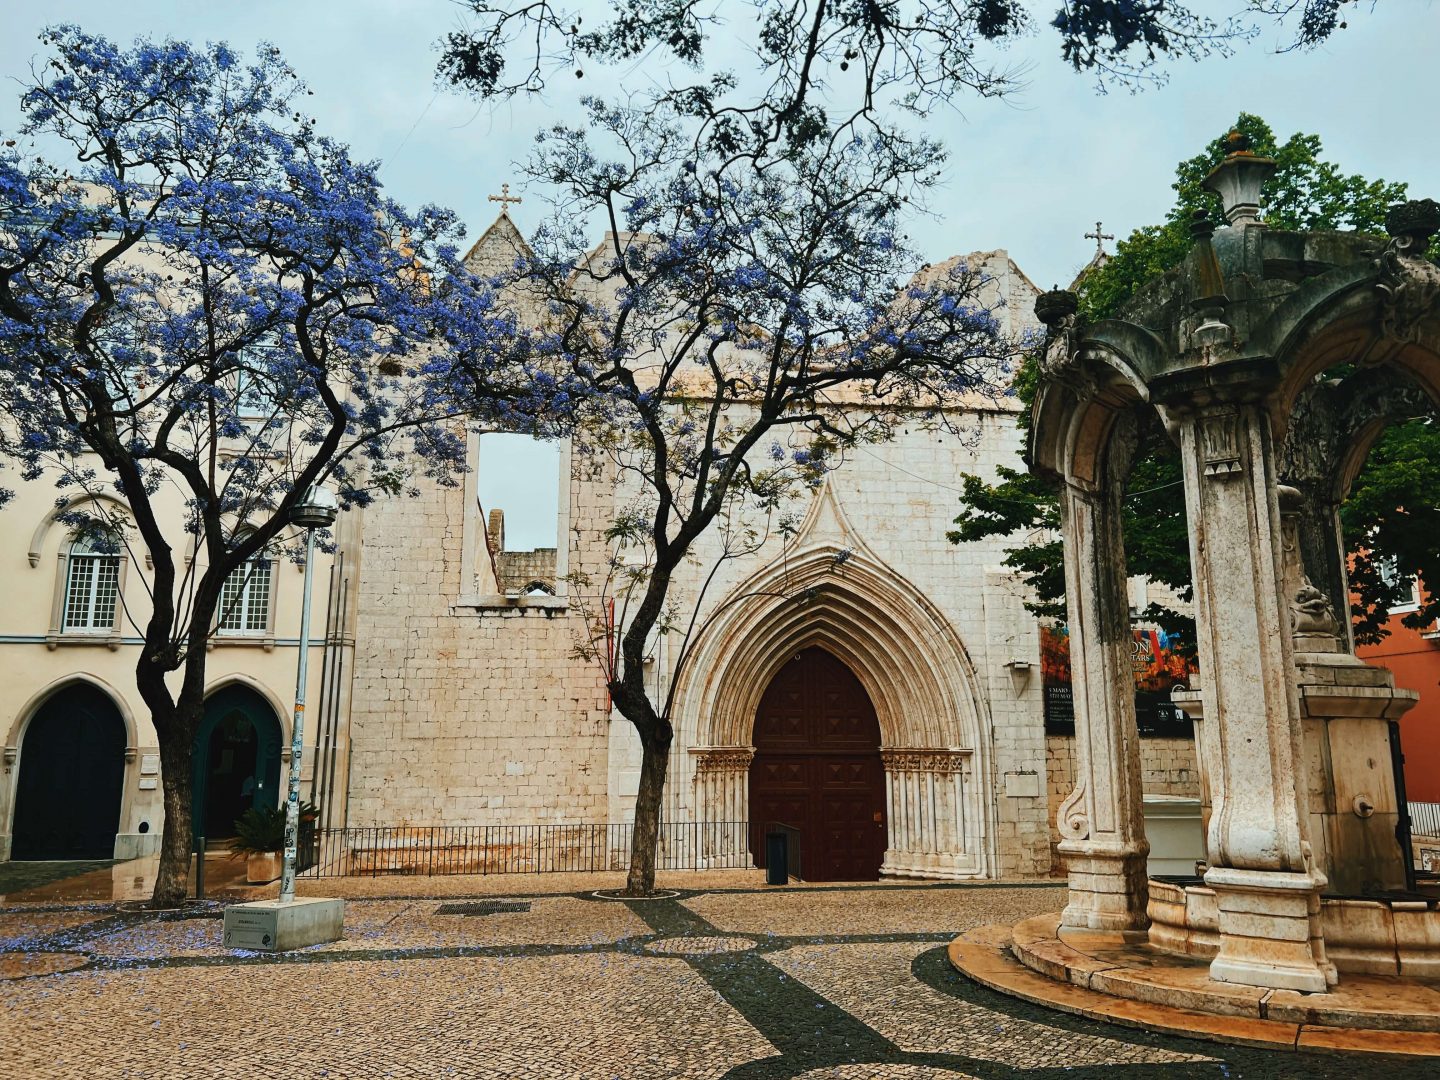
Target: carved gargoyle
1409,284
1311,613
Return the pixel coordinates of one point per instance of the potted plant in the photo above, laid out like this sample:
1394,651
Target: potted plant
260,838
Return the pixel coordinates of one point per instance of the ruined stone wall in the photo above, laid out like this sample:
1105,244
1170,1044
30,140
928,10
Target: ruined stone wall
466,714
471,710
518,570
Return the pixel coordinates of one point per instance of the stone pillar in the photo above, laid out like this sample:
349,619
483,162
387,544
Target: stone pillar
1101,823
722,802
1266,883
1346,707
929,829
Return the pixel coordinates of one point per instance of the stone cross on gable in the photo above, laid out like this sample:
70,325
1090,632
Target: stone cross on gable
505,198
1098,236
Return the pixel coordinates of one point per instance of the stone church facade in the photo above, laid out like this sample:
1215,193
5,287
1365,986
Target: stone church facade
470,707
448,691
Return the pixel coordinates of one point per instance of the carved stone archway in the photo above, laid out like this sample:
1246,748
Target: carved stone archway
1224,348
831,592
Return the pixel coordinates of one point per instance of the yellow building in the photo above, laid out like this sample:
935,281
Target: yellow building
81,773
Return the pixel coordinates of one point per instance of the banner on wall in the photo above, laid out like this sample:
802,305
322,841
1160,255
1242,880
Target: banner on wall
1159,665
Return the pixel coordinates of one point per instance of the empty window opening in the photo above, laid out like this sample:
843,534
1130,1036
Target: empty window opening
518,489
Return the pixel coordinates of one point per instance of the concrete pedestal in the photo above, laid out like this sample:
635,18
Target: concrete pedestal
270,926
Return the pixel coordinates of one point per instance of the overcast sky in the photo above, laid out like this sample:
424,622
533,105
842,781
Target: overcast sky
1031,175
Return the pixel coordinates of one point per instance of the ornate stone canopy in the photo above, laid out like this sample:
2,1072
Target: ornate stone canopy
1225,353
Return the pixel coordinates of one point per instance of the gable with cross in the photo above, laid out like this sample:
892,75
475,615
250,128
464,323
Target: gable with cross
1099,236
505,198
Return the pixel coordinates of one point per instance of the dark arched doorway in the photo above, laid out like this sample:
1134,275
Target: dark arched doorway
72,771
237,760
817,768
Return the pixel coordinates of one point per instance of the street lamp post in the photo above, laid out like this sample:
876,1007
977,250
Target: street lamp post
315,510
285,922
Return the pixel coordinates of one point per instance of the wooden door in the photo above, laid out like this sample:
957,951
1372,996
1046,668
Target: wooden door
72,770
817,768
236,761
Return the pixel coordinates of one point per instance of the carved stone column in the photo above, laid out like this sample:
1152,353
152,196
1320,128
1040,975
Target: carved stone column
1346,708
1101,823
929,820
722,802
1266,882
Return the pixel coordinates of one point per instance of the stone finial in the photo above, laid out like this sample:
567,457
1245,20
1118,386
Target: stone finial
1237,180
1237,142
1209,279
1209,300
1054,307
1417,220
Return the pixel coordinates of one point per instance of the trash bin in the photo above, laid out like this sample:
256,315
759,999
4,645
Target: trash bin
777,858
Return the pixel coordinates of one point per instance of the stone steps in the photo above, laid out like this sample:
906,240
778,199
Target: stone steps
1104,977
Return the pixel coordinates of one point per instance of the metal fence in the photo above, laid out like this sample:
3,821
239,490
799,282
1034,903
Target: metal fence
1424,819
522,849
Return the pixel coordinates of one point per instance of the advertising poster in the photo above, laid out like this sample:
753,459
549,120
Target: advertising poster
1159,663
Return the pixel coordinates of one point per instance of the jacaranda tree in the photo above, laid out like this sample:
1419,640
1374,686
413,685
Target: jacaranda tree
744,322
754,309
211,305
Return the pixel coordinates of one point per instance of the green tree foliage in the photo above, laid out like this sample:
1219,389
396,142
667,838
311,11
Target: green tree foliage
1391,521
1305,192
1392,510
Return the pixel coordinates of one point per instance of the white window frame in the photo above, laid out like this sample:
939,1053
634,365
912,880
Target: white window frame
80,552
1388,567
255,588
246,408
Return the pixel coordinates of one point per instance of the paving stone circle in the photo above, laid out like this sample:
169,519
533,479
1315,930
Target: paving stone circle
698,946
722,982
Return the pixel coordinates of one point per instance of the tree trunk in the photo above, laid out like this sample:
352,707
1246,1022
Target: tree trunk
172,881
176,735
645,839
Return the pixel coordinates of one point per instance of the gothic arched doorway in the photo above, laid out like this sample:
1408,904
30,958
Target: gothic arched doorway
237,760
817,768
72,771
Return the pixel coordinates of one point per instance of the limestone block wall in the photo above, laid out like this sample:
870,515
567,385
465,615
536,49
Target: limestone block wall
519,569
1167,767
892,506
467,712
471,710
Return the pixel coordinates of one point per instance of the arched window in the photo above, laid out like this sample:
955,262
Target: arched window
245,596
92,586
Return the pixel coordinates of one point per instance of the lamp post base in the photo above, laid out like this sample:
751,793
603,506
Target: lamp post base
276,926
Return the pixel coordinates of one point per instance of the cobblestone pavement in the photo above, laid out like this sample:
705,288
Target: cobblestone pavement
734,981
17,877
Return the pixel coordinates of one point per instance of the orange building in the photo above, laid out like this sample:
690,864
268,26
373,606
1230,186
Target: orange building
1413,656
